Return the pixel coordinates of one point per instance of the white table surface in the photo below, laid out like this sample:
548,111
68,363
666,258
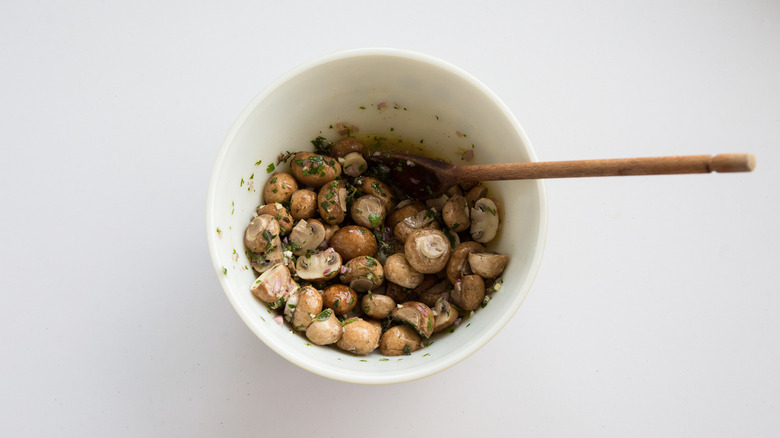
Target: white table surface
656,311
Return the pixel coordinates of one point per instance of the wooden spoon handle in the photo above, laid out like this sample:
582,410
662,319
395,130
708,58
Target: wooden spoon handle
609,167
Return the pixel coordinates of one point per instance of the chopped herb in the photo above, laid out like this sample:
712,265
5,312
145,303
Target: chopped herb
325,205
273,180
392,129
407,349
374,219
362,231
307,344
362,107
426,354
270,168
363,360
275,190
428,189
399,168
329,196
259,162
337,302
370,262
322,146
347,321
384,359
493,212
242,182
351,301
485,301
430,323
367,309
224,270
325,314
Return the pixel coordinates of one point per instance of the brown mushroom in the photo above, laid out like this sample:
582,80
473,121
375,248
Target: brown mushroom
437,204
375,187
468,185
404,209
363,273
306,236
487,265
353,164
427,250
303,204
469,292
262,234
399,294
360,337
320,266
314,170
476,193
423,219
368,211
377,306
346,145
398,340
280,213
329,230
445,315
332,202
309,304
263,262
398,271
272,285
279,188
417,315
484,220
458,265
325,329
456,214
353,241
341,298
433,294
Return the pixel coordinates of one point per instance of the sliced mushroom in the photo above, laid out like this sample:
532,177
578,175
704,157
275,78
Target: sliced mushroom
320,266
347,145
404,209
423,219
456,214
398,271
445,315
263,262
360,337
262,234
377,306
279,188
476,193
314,170
398,340
309,305
427,250
458,265
353,164
341,298
325,329
487,265
280,213
353,241
368,211
272,285
469,292
484,220
332,202
417,315
306,236
303,204
363,273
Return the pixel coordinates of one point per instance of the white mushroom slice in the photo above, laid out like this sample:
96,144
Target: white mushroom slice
427,250
262,234
272,285
487,265
484,220
321,266
307,236
291,304
353,164
417,315
444,315
398,271
263,262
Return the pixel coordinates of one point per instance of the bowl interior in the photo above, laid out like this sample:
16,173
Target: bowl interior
385,92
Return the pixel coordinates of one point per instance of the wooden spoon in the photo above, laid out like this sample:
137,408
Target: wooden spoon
425,178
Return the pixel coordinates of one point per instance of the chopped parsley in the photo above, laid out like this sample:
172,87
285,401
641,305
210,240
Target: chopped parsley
374,219
325,314
270,168
407,349
322,146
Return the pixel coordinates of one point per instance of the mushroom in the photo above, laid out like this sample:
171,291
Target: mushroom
320,266
454,191
437,204
484,220
487,265
399,294
329,230
306,236
332,202
291,303
445,315
272,285
398,340
417,315
452,237
433,294
377,306
427,250
280,213
368,211
309,304
303,204
353,164
263,262
325,329
262,234
279,188
423,219
375,187
314,170
403,210
476,193
363,273
353,241
347,145
429,280
458,265
468,185
341,298
398,271
456,214
469,292
360,337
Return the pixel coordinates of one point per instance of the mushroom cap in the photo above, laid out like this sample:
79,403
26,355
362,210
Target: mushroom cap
399,271
332,202
476,193
314,170
320,266
363,273
353,164
346,145
339,297
372,186
484,220
303,204
272,285
279,188
308,306
445,315
432,294
368,211
398,340
360,337
377,306
353,241
307,236
456,214
404,209
423,219
469,293
427,250
262,234
280,213
487,265
458,265
417,315
325,328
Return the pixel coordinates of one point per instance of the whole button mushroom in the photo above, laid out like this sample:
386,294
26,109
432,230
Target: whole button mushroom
417,315
368,211
320,266
427,250
487,265
433,294
445,315
279,188
314,170
272,285
332,202
262,234
362,273
347,145
423,219
398,271
303,204
325,329
309,305
280,213
476,193
458,265
377,306
469,292
398,340
375,187
341,298
484,220
306,236
404,209
360,337
456,214
353,241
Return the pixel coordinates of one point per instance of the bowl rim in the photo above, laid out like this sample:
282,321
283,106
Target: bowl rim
333,372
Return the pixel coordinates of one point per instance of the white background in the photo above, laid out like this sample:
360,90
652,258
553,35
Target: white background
656,311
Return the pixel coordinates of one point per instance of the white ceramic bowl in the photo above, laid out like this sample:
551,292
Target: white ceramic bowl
382,91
